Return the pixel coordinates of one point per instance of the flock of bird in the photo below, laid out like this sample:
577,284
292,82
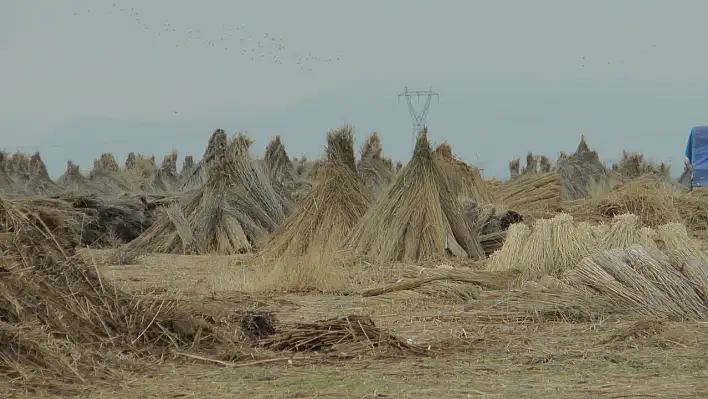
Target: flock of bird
248,42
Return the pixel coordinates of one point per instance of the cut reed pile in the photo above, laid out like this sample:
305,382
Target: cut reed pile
282,171
633,165
89,220
446,282
534,196
278,162
549,248
581,171
304,247
550,299
166,178
330,210
375,170
231,213
63,327
17,166
554,246
347,334
40,183
105,220
654,200
465,180
643,281
200,173
415,216
106,175
188,168
6,182
74,181
625,231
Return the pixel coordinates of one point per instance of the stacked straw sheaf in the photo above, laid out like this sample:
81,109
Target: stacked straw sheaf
40,183
18,167
305,249
644,281
278,162
412,219
330,210
166,178
232,212
659,272
106,175
74,181
633,165
550,247
7,184
200,173
375,170
656,202
188,167
465,180
283,172
534,196
581,171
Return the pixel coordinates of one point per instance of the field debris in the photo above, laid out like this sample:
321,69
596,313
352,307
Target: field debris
350,334
52,340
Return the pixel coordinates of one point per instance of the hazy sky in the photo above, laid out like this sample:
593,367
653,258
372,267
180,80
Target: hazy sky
81,77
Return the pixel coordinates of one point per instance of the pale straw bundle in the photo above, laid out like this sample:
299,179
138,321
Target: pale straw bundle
569,243
681,292
599,231
675,239
623,232
538,251
507,258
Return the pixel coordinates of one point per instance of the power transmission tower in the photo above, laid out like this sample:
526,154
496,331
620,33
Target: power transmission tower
419,117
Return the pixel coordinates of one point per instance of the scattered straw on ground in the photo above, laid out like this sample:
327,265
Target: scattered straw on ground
347,334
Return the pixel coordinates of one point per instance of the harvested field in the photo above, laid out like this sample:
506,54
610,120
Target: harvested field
349,277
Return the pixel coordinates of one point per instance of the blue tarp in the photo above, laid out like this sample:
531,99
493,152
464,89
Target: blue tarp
697,154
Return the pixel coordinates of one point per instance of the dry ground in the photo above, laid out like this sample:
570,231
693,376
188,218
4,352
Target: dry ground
471,359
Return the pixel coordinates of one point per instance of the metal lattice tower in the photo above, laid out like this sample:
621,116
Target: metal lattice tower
419,117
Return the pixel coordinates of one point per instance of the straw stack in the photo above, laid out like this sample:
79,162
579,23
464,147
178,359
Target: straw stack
410,219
